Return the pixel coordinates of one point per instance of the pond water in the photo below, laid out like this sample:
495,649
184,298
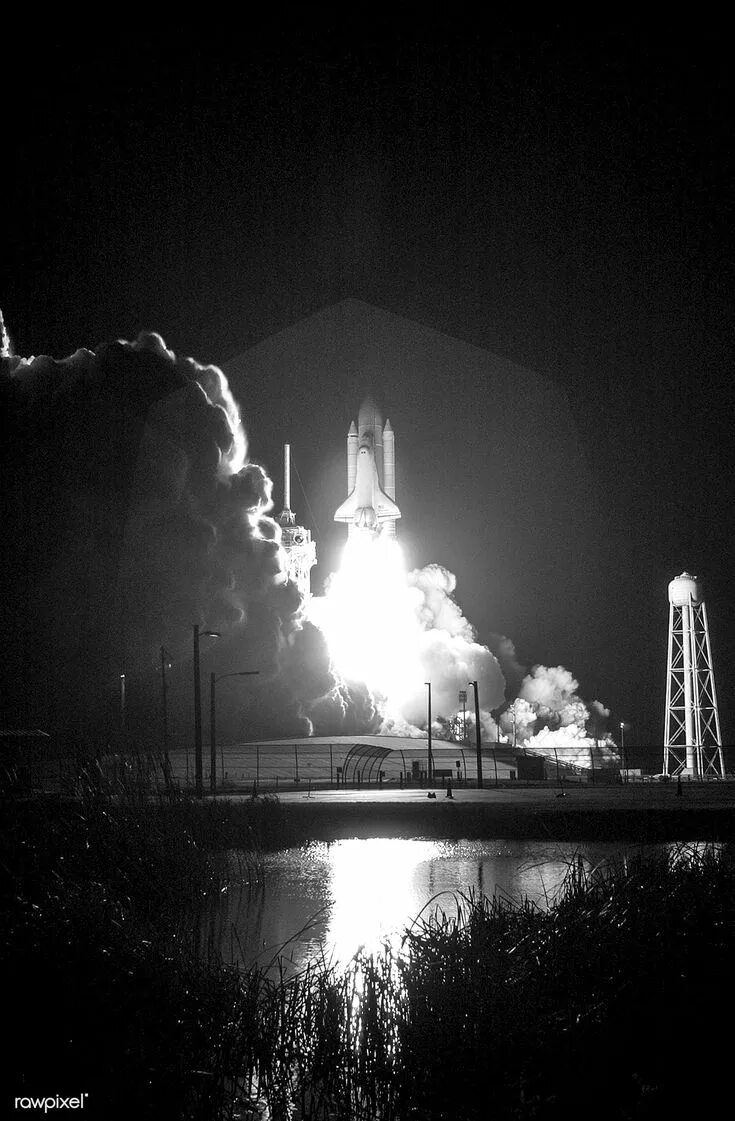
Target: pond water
334,899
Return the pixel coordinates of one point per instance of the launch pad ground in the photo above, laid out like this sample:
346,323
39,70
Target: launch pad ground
304,783
640,813
632,795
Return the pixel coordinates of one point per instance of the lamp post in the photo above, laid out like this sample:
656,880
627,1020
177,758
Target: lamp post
478,735
198,767
622,750
431,757
213,721
463,702
496,744
558,772
122,702
164,706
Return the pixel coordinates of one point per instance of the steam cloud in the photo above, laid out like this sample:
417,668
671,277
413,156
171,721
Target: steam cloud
134,513
550,714
450,653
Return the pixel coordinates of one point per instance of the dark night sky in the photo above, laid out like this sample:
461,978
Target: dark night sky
561,199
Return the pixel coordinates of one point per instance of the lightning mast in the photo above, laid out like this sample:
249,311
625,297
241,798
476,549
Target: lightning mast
692,739
296,540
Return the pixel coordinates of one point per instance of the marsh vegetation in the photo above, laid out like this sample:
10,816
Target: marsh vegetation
604,1002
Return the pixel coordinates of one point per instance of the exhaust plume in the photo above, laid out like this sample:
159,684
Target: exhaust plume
132,513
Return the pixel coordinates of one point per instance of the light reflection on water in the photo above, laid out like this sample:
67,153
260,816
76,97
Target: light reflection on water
331,900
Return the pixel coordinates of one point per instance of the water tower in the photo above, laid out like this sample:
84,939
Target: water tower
692,740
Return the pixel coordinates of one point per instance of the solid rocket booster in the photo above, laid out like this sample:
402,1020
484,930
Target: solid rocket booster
371,475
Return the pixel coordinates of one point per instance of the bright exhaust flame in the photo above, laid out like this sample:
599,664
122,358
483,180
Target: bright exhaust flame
369,617
395,630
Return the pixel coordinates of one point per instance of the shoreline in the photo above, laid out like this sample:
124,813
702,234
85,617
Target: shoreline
640,816
637,814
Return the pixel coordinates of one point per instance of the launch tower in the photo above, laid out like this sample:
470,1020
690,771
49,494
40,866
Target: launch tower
296,540
692,740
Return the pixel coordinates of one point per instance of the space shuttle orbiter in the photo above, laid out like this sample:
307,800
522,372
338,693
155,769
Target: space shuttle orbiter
371,475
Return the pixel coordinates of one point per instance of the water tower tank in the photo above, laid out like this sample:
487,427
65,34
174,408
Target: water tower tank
684,589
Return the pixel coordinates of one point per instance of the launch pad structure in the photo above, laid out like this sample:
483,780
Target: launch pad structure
296,540
692,738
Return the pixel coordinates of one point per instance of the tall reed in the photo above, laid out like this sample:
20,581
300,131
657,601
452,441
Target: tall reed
506,1010
115,983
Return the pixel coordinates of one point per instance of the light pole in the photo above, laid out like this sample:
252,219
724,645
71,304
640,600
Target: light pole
431,757
463,702
496,744
213,721
558,772
478,735
122,702
164,707
198,767
622,750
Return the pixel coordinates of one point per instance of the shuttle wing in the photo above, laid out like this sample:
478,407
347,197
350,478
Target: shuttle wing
383,507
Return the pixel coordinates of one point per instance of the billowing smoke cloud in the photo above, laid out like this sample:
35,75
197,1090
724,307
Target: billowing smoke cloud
552,693
198,543
549,717
449,652
6,348
308,696
419,634
393,632
513,671
133,514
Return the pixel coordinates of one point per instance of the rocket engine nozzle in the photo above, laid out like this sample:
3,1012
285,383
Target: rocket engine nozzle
366,518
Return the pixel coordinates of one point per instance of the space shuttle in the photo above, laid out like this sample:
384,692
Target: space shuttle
371,476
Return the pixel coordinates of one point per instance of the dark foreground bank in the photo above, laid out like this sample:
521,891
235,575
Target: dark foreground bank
599,1006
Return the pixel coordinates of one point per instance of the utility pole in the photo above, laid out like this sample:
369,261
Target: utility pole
198,784
496,745
431,757
198,763
478,735
122,702
213,736
164,707
622,750
463,702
